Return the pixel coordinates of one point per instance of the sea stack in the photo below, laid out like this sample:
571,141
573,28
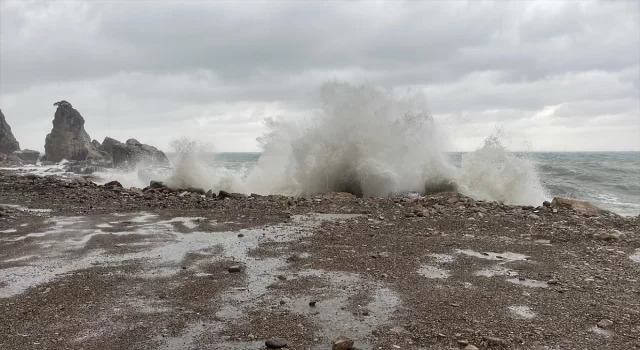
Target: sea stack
8,143
69,140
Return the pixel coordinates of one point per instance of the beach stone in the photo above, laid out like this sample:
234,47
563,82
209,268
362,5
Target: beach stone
275,343
209,194
493,341
312,303
235,269
342,343
471,347
611,235
605,323
156,184
113,184
546,204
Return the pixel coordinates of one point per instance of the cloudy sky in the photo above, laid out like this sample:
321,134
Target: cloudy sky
559,76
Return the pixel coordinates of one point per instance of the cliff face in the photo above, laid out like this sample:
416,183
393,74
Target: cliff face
8,143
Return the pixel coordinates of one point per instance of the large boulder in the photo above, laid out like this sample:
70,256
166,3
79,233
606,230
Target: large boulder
132,154
69,140
28,156
580,207
8,143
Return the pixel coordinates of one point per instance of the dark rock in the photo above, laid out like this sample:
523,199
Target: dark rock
209,194
604,323
235,269
113,184
546,204
275,343
8,143
312,303
95,143
493,341
156,184
28,156
133,154
579,207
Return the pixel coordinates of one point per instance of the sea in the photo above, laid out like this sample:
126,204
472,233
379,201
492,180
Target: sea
610,180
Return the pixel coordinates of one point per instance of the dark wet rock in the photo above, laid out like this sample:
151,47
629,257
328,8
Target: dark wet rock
69,140
313,303
342,343
234,269
546,204
8,143
132,154
156,184
605,323
224,194
28,156
113,184
275,343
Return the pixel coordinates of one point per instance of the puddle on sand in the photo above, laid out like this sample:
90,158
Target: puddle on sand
433,272
331,317
506,256
27,210
442,258
529,283
521,311
497,270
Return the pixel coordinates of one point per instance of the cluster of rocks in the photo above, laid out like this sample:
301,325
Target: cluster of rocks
70,141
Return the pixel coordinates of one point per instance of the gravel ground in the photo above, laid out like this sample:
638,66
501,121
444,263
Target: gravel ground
84,266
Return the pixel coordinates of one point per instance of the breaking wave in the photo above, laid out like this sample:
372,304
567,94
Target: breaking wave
366,141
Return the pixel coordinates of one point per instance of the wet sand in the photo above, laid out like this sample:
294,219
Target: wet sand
88,267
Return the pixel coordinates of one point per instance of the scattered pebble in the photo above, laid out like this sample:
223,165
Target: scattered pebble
471,347
312,303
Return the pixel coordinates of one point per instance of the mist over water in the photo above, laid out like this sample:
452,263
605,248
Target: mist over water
367,141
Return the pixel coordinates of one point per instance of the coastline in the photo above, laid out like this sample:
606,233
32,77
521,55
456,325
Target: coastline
104,267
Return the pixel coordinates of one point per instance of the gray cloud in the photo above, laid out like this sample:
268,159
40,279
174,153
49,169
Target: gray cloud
165,66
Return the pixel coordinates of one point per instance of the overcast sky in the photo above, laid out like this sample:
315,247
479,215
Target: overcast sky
552,75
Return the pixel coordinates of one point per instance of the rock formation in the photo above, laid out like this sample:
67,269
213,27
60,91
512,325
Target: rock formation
8,143
133,153
28,156
68,139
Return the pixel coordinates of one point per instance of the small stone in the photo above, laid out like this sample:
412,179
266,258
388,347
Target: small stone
471,347
462,342
282,302
553,282
365,313
546,204
534,217
604,323
493,341
312,303
282,277
342,343
240,235
235,268
555,211
275,343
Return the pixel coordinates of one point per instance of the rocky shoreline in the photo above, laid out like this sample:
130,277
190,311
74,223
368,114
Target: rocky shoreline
87,266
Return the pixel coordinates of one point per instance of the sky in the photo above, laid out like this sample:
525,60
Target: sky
551,75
